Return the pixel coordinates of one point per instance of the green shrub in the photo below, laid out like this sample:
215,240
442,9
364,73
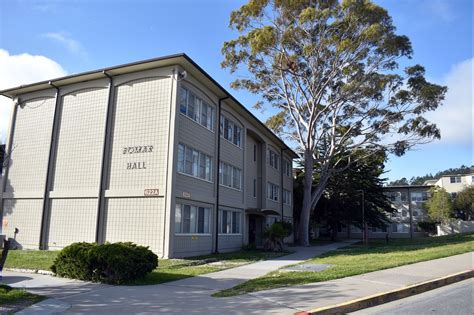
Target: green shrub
75,261
115,263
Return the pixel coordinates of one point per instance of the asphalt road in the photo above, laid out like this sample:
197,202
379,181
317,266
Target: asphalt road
456,299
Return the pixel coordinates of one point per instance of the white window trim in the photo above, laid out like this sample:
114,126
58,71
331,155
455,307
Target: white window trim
187,117
189,175
232,178
196,206
220,222
221,134
278,192
199,178
202,100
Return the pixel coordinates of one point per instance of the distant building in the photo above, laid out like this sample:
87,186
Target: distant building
453,184
408,200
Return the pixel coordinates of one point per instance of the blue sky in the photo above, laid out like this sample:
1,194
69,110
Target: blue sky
41,40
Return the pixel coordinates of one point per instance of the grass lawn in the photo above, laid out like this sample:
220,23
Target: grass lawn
12,300
168,269
359,259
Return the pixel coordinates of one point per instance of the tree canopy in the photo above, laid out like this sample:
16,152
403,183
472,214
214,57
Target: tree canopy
464,203
439,206
330,68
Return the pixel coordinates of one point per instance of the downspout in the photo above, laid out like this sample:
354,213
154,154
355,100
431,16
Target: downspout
49,172
218,161
99,235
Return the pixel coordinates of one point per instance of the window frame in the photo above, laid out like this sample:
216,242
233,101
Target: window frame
223,167
286,166
228,129
271,189
197,109
229,221
286,197
189,164
194,220
273,159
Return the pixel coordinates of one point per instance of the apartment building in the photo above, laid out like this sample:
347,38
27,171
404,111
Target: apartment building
408,200
453,184
154,152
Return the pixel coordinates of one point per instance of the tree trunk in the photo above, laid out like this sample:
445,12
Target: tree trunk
306,208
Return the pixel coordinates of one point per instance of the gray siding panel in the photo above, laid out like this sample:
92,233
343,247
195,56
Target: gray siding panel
24,214
137,220
72,220
187,245
230,242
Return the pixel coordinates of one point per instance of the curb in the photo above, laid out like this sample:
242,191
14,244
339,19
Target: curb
37,271
389,296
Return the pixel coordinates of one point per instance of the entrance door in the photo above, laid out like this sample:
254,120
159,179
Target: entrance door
255,230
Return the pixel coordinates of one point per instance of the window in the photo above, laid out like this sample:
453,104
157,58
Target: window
455,179
453,195
230,176
416,196
255,153
194,163
424,196
273,159
272,191
196,109
191,219
230,131
286,168
229,222
403,196
286,197
255,188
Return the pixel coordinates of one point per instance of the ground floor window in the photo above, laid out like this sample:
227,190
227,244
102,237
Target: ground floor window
191,219
230,222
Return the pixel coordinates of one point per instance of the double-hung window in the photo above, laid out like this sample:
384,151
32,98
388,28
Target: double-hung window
230,176
272,191
273,159
286,168
197,109
286,197
194,163
230,222
455,179
230,131
191,219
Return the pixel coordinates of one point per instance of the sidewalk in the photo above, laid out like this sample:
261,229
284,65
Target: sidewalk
315,295
191,295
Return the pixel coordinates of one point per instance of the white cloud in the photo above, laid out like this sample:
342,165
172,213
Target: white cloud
65,39
455,116
22,69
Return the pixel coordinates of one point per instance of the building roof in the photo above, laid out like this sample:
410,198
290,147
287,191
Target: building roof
178,59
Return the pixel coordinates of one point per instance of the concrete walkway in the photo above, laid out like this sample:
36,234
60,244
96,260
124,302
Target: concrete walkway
193,295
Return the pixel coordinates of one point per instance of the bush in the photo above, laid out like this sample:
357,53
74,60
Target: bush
274,235
115,263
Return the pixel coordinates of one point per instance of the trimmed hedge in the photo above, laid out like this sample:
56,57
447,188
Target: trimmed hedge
115,263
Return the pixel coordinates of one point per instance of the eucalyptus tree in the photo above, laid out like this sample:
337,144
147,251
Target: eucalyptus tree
331,69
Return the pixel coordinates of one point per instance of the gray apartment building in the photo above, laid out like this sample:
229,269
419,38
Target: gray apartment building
154,152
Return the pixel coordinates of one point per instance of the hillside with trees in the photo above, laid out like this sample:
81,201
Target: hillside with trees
419,180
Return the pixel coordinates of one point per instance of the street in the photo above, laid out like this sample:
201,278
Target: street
457,298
